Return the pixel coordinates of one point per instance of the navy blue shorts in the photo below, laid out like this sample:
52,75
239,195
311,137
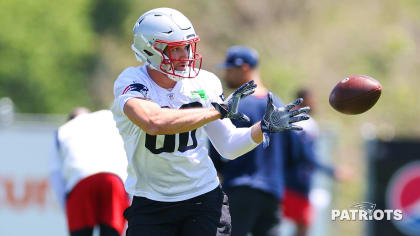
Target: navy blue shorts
205,215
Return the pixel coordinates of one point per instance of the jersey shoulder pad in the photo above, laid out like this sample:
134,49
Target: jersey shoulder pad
211,83
132,80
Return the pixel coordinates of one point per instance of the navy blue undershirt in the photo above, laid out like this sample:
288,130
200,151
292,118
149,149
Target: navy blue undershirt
261,169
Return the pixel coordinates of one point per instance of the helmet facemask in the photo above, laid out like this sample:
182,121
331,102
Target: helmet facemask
192,61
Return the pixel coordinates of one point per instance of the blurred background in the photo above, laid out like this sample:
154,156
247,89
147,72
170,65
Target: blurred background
55,55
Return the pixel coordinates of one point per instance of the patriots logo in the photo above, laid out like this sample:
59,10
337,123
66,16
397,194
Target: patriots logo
365,206
137,87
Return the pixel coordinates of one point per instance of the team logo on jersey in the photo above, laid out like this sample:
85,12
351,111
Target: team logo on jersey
199,94
403,192
136,87
171,96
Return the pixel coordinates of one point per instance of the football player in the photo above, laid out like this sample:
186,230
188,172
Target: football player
164,111
87,170
305,161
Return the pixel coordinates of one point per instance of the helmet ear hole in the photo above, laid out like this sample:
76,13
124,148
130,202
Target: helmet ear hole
148,53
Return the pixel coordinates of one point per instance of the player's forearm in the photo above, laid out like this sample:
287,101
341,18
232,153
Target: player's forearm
171,121
155,120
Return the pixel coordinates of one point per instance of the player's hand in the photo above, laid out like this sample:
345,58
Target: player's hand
229,108
277,119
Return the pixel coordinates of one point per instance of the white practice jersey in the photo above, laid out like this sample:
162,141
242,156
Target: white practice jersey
166,167
86,145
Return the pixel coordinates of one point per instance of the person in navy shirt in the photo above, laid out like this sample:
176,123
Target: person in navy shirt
253,182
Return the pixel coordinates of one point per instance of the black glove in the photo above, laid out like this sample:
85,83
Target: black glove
277,119
229,108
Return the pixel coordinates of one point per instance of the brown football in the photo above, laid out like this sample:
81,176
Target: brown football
355,94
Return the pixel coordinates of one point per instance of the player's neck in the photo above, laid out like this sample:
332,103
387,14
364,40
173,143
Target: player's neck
260,91
160,79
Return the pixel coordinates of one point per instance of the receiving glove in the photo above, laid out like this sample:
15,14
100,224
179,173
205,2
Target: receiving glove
277,119
229,108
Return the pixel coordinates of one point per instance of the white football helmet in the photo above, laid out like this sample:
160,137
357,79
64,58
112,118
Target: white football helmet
164,28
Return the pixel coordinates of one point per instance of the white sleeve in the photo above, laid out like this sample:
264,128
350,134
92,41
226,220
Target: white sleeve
229,141
56,179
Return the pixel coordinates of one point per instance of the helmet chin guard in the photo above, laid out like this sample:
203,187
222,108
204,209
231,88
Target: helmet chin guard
159,30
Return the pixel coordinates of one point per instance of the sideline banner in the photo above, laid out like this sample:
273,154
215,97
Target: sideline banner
27,204
394,183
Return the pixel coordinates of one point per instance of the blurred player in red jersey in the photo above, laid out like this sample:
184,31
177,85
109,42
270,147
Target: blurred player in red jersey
300,166
87,169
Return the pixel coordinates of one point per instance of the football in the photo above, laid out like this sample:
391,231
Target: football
355,94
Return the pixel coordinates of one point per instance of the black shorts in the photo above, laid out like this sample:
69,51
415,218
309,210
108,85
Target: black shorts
205,215
253,211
